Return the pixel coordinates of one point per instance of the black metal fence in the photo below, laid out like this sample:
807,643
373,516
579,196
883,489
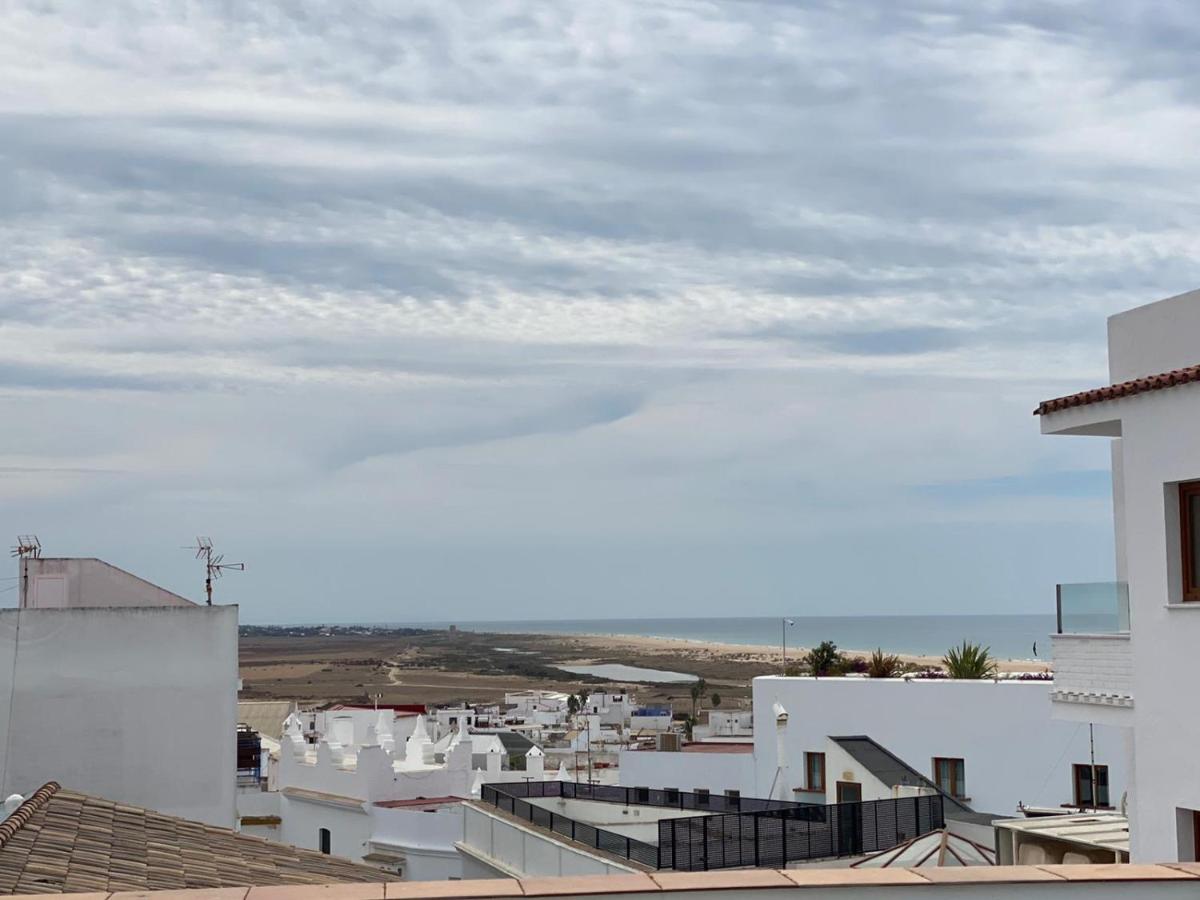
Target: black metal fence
766,833
508,797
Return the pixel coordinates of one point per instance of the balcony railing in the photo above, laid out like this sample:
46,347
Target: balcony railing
1098,607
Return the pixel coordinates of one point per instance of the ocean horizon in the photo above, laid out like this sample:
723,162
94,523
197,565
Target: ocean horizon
1011,636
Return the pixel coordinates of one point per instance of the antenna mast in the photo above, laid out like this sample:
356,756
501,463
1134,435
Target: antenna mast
214,565
27,547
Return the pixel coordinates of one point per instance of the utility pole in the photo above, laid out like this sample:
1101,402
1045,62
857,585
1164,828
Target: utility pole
1092,750
783,627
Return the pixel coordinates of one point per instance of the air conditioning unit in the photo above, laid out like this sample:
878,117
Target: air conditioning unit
733,799
667,741
702,796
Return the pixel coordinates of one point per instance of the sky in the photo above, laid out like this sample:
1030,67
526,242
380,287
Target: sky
502,310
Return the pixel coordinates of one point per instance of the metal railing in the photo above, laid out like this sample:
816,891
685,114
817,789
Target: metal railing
1100,607
737,832
508,797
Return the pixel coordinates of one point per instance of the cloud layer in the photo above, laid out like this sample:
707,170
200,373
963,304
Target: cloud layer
509,309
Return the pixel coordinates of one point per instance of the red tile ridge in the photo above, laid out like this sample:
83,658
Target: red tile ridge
26,810
1186,375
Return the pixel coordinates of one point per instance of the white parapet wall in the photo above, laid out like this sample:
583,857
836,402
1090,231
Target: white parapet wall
1095,669
497,845
710,769
134,704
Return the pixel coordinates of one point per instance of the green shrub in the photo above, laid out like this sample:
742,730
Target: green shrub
969,661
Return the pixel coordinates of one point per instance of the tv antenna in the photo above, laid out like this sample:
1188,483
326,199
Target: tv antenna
27,547
214,564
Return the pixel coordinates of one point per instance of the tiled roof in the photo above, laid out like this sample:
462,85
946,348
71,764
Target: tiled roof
59,841
1124,389
982,881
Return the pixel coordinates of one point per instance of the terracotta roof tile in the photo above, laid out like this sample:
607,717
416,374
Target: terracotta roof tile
1124,389
60,841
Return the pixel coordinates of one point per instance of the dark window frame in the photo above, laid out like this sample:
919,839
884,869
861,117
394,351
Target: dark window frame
1100,794
1190,580
325,840
808,782
958,776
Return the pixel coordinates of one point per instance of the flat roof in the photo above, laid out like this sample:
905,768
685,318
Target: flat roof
719,747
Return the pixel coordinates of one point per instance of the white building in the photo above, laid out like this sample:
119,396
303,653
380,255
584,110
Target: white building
118,688
389,800
732,725
991,743
1125,656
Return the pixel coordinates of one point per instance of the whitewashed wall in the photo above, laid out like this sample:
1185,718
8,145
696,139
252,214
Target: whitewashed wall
425,838
137,705
718,772
57,583
1013,750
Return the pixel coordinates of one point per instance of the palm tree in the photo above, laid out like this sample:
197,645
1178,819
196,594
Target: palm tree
970,661
697,691
572,705
883,665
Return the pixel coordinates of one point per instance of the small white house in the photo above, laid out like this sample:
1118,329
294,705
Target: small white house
992,744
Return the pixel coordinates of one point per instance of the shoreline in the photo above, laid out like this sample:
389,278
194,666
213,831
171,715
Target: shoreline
691,648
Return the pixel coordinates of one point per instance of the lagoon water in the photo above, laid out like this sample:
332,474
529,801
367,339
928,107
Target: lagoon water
618,672
1008,636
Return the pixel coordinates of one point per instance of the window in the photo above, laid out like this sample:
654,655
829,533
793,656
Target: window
949,776
1189,532
323,838
814,771
1084,795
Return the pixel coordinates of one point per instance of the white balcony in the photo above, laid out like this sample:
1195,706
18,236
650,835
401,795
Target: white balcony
1093,664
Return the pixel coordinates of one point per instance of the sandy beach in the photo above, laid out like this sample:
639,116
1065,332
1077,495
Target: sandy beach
690,651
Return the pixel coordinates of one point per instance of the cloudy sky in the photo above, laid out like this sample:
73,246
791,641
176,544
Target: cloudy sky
508,309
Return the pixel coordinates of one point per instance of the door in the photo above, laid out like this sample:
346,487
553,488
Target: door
849,819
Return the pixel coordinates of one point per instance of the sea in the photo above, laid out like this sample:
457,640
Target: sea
1008,636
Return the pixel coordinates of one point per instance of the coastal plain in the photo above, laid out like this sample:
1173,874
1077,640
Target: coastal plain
411,666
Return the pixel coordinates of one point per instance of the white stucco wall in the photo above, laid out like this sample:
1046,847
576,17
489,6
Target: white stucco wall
426,839
1160,446
718,772
1013,750
137,705
348,822
54,583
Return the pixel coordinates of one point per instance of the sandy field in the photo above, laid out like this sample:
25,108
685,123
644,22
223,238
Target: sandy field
441,667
